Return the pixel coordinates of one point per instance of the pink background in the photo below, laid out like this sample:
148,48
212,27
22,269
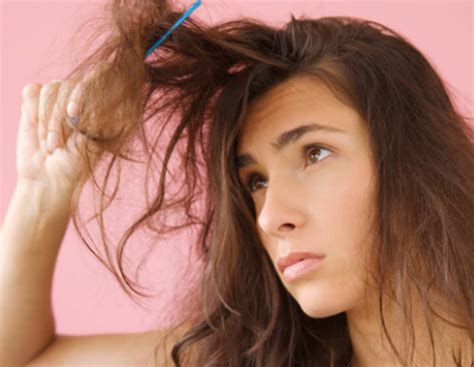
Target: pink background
37,44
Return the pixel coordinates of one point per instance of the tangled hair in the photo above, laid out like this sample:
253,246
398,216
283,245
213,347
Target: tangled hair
242,315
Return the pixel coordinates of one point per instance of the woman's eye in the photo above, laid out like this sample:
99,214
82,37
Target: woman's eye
310,151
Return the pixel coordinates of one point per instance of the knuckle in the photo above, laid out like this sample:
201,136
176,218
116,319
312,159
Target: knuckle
48,95
41,128
52,86
30,90
47,89
25,109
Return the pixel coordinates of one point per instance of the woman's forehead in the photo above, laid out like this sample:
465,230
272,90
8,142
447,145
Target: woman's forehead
296,102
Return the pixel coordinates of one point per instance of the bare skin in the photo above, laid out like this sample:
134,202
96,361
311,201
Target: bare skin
373,348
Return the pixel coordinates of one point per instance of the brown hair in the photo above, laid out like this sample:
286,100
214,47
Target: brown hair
423,149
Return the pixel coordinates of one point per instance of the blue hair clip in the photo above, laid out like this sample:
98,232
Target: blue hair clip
178,22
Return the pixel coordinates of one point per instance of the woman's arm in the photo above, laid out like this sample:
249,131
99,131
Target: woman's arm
30,239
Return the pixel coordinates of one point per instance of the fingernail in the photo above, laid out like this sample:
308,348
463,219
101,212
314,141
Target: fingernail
52,141
74,120
72,109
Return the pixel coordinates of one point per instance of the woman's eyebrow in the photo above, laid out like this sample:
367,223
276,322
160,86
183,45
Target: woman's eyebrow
287,138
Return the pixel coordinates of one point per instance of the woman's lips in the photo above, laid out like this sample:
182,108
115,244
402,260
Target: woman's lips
301,268
296,263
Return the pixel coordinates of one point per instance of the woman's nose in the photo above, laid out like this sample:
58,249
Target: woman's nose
281,212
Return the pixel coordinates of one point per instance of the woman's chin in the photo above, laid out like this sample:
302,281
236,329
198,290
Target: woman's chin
317,303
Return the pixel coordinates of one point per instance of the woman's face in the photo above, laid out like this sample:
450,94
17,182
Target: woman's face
318,201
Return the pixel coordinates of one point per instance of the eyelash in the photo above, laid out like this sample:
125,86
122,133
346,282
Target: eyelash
306,149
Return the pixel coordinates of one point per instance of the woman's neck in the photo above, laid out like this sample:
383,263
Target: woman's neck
372,347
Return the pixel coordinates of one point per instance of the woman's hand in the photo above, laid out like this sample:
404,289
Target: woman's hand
47,149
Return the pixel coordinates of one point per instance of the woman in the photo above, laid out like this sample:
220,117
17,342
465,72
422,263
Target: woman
331,136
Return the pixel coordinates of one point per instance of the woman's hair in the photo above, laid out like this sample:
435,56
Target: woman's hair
205,75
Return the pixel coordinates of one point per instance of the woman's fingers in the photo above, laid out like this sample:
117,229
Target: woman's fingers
28,127
47,100
74,104
53,130
57,136
29,108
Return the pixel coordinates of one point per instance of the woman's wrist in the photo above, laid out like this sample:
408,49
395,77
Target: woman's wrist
42,199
